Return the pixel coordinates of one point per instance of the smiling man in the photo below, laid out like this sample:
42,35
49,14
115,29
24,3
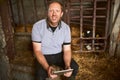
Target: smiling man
51,40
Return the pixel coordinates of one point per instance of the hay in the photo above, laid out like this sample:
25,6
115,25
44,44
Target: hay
97,67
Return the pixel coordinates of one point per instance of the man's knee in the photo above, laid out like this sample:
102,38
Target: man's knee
69,78
74,66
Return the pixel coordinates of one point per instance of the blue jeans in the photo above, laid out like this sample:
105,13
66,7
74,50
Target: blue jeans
55,59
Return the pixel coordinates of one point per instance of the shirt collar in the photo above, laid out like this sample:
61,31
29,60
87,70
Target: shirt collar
48,25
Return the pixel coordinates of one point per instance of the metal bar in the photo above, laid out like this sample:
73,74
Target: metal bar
72,9
94,24
87,38
76,19
100,8
101,0
87,17
96,16
87,44
89,51
81,24
88,0
96,9
94,38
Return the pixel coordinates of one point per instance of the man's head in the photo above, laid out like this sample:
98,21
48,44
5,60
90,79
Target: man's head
55,12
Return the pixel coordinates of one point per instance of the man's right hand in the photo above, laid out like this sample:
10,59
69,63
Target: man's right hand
50,74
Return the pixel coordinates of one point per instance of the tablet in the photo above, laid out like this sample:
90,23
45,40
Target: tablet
62,71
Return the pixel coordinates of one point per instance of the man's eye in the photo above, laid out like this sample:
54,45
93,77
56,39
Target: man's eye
50,11
57,10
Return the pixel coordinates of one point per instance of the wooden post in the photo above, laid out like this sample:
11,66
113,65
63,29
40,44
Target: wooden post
114,38
7,28
118,44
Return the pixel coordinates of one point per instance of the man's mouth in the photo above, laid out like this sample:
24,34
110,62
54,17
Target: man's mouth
54,18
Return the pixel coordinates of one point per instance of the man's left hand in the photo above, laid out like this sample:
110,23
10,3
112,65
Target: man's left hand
68,74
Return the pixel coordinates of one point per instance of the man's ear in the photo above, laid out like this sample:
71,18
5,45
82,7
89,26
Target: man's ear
61,14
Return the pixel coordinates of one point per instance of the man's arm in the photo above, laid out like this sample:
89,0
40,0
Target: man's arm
40,57
67,58
67,55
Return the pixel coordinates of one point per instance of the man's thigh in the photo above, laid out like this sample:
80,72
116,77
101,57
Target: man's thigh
40,72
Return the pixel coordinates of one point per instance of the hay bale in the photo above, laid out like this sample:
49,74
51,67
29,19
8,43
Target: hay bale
75,30
21,28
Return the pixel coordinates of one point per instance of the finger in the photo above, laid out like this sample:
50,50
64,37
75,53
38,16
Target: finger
68,74
53,76
50,69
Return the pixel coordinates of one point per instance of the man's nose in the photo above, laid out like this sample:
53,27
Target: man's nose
54,12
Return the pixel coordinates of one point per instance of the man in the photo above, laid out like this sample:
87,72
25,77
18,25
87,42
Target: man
52,44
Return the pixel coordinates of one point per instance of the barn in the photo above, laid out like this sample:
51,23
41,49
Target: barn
95,33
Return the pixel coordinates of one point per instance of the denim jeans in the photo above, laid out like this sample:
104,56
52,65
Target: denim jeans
55,59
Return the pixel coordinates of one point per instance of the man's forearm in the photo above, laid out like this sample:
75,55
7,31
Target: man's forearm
41,59
67,58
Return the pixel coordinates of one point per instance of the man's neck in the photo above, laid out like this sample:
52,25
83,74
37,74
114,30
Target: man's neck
53,24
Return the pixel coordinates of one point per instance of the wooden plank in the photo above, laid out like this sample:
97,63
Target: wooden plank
112,45
114,39
7,28
118,44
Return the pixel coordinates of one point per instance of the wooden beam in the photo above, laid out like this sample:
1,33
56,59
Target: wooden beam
118,44
114,36
7,28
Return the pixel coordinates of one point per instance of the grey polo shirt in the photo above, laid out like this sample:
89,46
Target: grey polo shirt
51,42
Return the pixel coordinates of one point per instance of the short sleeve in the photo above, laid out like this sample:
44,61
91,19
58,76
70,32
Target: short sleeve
36,33
67,35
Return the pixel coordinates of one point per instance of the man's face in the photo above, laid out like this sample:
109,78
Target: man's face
54,13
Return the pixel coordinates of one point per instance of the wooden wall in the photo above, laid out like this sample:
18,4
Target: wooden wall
114,49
